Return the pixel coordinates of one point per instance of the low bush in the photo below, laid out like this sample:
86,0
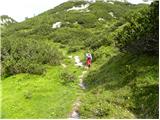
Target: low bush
67,77
62,46
141,33
73,49
27,95
105,52
20,55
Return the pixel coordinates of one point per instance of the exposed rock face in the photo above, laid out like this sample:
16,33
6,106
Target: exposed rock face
57,25
83,7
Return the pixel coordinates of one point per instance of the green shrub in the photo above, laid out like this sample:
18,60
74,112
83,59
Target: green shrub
105,52
42,30
82,18
62,46
73,49
67,77
70,36
141,34
27,95
20,55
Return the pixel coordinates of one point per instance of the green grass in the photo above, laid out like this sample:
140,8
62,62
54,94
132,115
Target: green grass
125,86
0,98
118,86
33,96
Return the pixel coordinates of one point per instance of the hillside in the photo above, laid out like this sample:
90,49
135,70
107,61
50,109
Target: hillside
40,77
6,20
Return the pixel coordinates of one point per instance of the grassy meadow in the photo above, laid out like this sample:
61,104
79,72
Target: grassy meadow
40,81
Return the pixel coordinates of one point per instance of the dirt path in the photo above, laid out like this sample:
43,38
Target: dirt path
75,110
81,84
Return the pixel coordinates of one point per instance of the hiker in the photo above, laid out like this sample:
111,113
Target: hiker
88,59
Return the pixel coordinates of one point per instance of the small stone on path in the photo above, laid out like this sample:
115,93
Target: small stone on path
75,115
78,62
82,85
84,72
64,65
70,56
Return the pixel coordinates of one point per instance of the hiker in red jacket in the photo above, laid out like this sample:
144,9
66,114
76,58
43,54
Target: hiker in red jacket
88,59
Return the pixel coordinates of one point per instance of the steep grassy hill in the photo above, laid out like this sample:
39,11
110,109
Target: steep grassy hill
123,79
125,86
79,29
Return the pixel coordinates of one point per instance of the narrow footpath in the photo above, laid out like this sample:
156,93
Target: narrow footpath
75,109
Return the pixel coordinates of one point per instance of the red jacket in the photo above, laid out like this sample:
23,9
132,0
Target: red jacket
88,61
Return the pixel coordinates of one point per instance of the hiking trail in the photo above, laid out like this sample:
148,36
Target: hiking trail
75,109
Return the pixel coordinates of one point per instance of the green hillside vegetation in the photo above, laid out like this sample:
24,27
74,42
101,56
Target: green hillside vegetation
6,20
21,55
122,82
126,86
127,83
45,96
